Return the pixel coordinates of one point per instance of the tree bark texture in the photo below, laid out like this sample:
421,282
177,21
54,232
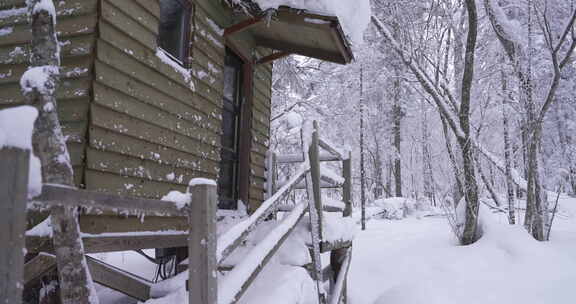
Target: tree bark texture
76,285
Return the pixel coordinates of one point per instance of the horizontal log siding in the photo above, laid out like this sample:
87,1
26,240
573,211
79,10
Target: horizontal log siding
260,129
76,29
151,129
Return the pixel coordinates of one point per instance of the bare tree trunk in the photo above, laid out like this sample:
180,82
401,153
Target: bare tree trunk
488,184
507,154
470,233
427,173
76,285
396,130
458,192
362,169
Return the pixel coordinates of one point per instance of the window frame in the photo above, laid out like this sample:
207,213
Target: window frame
186,39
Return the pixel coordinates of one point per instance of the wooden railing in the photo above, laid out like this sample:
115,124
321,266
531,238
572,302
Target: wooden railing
312,178
119,223
116,223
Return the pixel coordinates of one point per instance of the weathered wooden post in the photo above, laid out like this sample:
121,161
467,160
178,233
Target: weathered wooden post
311,154
202,280
271,164
347,187
14,164
338,256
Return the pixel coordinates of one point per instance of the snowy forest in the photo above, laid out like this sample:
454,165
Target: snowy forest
450,101
287,151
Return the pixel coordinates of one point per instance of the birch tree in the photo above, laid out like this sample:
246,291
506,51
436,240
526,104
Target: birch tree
455,113
39,84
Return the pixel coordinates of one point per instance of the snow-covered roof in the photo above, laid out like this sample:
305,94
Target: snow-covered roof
353,15
322,29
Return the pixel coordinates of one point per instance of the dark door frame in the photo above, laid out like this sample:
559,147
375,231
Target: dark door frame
245,127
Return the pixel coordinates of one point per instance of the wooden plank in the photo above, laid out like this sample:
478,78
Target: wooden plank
138,14
66,27
117,80
72,67
338,294
313,191
199,146
326,146
271,171
270,205
347,187
202,280
13,195
297,158
209,43
325,208
105,140
129,166
38,266
220,13
315,174
53,195
64,10
132,28
125,104
118,279
128,186
73,46
69,89
75,131
152,6
300,50
112,243
99,224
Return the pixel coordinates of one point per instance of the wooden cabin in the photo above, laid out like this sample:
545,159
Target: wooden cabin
156,92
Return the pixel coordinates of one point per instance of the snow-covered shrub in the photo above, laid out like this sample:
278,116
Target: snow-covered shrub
397,208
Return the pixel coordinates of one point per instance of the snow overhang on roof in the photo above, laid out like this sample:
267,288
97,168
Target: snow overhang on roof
296,31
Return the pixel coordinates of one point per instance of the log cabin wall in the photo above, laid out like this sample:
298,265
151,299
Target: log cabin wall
76,28
134,124
152,129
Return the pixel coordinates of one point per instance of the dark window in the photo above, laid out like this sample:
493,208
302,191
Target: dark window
231,111
174,30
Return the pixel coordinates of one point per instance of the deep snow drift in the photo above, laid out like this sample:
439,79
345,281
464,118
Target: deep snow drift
417,261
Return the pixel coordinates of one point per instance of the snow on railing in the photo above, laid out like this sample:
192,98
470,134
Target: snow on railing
311,177
235,282
233,237
331,176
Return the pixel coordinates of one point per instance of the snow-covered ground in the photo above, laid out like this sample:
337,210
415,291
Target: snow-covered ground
416,261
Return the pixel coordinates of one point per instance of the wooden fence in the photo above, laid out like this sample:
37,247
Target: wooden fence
117,223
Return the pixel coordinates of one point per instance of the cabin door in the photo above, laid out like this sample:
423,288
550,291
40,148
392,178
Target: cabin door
231,113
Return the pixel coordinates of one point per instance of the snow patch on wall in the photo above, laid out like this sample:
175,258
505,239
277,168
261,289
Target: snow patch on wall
186,73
